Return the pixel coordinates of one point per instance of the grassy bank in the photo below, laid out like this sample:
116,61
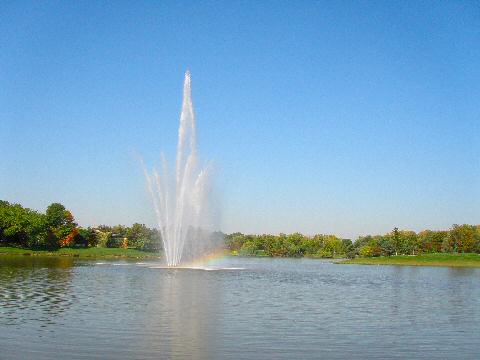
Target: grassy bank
88,253
456,260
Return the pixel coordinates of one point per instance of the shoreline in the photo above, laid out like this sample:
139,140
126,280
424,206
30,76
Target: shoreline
467,260
88,253
464,260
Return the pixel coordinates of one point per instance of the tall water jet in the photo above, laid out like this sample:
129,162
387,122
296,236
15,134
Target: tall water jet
181,199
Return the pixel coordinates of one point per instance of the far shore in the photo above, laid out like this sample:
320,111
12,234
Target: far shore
83,253
450,260
96,253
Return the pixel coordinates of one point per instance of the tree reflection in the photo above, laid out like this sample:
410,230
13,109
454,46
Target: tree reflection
34,288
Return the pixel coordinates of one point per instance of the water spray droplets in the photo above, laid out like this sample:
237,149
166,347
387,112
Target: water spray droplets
180,201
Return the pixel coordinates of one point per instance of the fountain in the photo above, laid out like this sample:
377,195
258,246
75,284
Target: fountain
181,199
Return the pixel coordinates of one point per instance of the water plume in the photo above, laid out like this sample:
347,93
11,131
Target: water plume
181,199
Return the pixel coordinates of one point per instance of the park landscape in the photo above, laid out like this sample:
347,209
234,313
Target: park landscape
55,233
335,214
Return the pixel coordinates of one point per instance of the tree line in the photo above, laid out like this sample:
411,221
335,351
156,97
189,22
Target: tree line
458,239
56,228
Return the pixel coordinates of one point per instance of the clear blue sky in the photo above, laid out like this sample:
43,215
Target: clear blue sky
322,117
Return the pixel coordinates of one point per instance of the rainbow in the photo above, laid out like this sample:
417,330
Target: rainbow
207,260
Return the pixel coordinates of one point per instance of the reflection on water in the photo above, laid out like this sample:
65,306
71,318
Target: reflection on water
272,309
34,289
184,314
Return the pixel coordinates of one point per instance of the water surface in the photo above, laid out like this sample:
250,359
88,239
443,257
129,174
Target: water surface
258,309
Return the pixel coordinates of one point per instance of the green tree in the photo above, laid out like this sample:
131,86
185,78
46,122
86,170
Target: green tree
248,248
23,227
409,242
143,238
311,245
366,251
234,241
104,238
61,224
86,237
332,247
461,238
396,240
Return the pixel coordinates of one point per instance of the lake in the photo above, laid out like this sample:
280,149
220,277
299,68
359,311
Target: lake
259,308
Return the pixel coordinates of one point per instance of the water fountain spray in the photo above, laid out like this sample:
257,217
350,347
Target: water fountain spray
181,199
